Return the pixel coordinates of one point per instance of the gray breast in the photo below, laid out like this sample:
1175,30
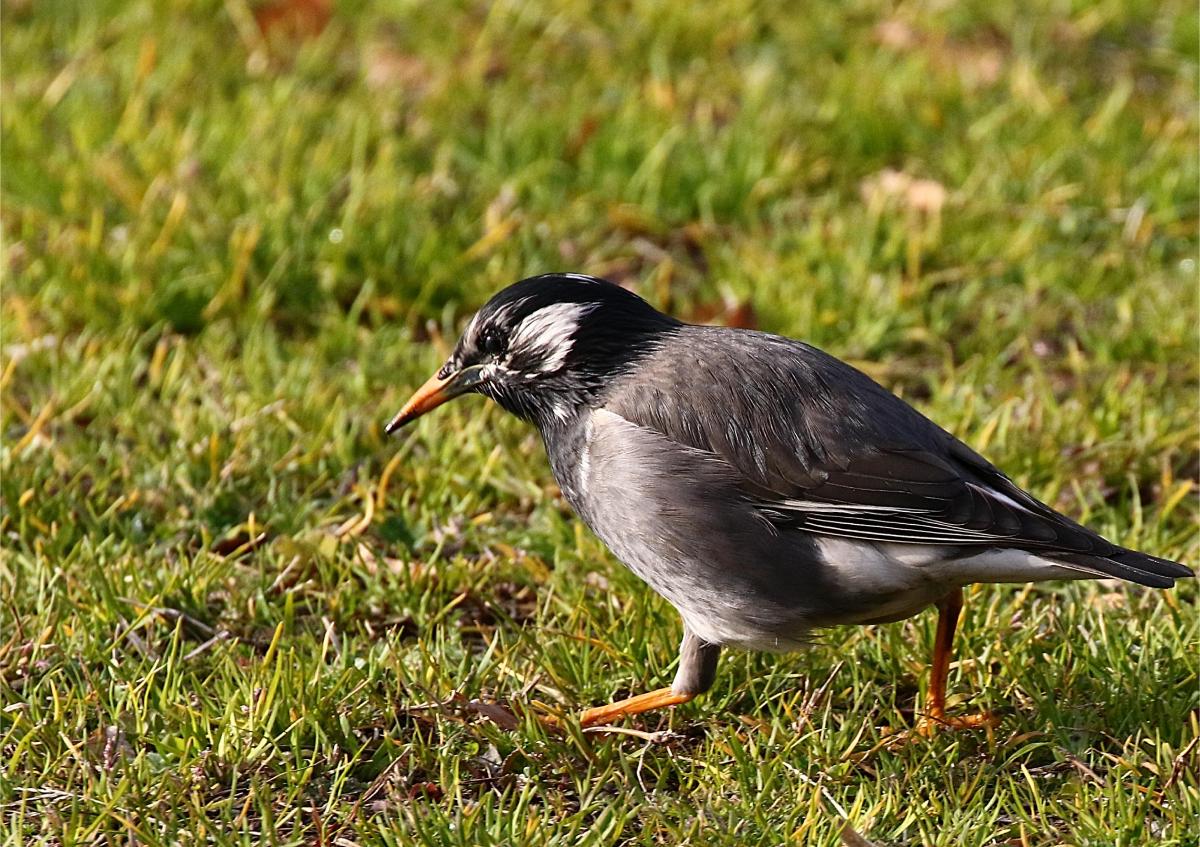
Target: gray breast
674,516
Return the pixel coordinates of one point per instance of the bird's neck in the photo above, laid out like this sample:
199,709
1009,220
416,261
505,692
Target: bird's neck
558,402
566,443
548,410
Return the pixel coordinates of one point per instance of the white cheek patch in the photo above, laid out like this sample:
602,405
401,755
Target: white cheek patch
547,335
499,316
470,327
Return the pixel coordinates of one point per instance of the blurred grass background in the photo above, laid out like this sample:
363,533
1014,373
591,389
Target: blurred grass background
235,236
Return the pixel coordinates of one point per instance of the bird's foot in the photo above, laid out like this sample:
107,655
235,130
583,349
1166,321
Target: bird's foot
930,723
508,719
660,699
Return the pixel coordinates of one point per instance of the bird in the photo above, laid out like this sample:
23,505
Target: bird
765,488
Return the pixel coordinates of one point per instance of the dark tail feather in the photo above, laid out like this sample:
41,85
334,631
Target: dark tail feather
1132,566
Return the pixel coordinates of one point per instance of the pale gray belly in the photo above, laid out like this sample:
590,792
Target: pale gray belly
675,517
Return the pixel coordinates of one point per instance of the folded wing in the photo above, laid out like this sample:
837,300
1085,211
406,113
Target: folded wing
821,448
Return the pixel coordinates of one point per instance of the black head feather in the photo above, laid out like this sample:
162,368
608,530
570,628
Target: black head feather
550,343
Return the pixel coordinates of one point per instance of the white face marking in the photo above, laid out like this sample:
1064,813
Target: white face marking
497,317
547,335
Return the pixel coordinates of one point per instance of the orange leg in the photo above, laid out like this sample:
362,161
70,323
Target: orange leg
659,699
949,609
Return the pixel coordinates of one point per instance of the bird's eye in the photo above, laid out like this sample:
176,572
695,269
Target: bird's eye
490,340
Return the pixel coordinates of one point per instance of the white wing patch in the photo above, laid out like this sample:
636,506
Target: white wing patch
999,495
839,508
547,335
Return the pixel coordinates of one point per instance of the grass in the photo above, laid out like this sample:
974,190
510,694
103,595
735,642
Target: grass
233,612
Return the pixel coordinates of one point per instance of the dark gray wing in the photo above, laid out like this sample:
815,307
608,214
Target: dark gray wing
821,447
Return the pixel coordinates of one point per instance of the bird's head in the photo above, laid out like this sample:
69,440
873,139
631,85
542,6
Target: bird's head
544,347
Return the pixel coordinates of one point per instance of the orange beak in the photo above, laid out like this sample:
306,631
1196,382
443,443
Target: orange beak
434,393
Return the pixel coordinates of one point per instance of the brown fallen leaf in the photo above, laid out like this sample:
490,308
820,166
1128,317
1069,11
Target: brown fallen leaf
425,791
494,712
582,135
295,19
978,60
387,69
896,34
728,311
889,185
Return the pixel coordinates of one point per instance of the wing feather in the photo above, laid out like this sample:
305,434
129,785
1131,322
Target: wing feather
819,446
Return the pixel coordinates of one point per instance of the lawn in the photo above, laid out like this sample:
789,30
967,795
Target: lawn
235,237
